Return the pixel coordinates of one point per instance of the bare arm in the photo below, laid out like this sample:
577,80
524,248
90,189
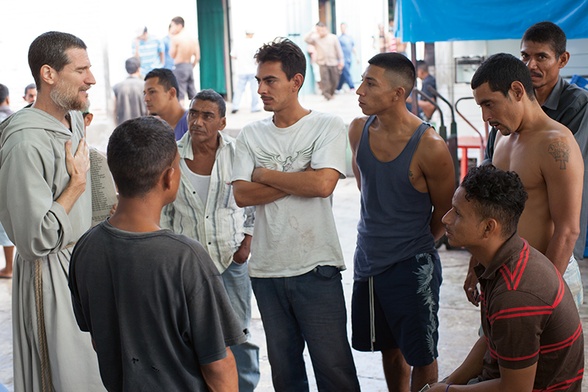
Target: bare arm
196,54
310,37
253,194
355,130
77,167
242,254
308,183
173,47
470,286
472,364
221,375
564,183
510,380
439,172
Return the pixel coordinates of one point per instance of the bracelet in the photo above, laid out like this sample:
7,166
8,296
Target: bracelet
448,385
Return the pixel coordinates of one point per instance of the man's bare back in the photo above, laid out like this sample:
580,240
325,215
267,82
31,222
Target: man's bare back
184,49
549,163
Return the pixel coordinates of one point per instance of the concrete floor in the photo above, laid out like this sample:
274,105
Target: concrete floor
459,320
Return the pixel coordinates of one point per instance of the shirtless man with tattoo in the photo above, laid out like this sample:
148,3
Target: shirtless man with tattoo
540,150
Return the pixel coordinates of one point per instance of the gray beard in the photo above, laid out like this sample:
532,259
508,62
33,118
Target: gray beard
68,103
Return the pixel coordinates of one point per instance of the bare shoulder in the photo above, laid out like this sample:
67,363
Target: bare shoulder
432,142
355,129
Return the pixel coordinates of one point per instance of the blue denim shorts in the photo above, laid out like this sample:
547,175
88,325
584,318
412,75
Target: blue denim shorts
402,312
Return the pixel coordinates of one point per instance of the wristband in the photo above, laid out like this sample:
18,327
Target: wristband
448,385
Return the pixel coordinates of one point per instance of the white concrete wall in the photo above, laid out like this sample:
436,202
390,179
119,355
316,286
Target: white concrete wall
107,27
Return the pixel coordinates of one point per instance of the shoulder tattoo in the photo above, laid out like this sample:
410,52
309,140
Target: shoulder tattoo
560,151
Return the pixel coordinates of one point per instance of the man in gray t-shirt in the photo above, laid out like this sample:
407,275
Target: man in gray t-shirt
152,300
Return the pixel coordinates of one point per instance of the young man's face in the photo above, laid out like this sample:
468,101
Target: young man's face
499,111
274,88
155,97
69,91
543,63
463,226
376,92
204,121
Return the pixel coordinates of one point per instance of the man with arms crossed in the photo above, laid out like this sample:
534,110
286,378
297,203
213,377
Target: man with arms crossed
46,208
533,338
287,166
405,174
540,150
205,210
152,300
543,50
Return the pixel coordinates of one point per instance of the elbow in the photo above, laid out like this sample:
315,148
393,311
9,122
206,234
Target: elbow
240,200
326,189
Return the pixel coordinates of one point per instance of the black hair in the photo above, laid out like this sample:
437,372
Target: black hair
500,71
3,93
212,96
49,49
547,32
178,20
132,65
139,151
286,52
497,194
30,87
166,78
397,64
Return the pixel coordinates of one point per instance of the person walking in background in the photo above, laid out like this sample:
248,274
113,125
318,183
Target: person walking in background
244,53
287,166
168,60
404,172
149,50
161,99
329,57
186,54
30,93
45,207
348,47
128,94
205,210
5,110
428,82
5,242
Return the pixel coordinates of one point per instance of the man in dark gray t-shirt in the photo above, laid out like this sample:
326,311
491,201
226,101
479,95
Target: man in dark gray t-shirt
152,300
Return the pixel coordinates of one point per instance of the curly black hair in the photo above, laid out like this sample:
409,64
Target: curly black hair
497,194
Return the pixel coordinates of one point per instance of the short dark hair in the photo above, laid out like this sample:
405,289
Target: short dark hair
500,70
132,65
30,87
49,49
138,151
547,32
212,96
497,194
166,78
3,93
422,65
398,64
178,20
286,52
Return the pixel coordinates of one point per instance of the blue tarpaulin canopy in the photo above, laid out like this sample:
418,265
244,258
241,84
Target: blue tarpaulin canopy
463,20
